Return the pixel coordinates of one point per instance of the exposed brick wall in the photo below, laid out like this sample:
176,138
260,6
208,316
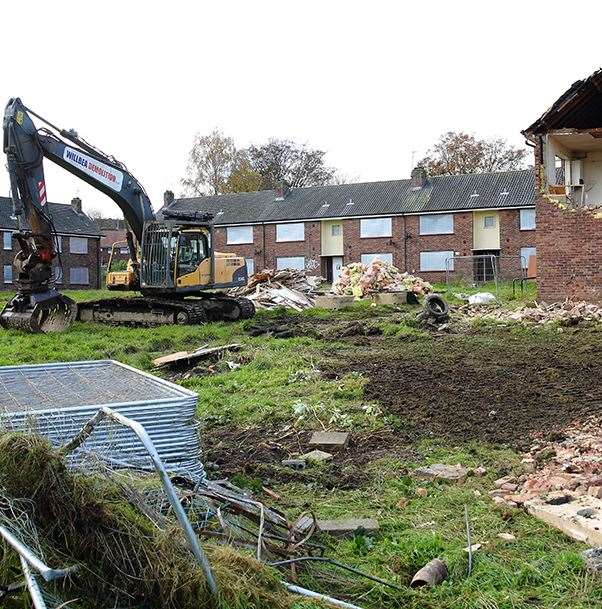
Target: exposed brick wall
405,251
569,253
90,260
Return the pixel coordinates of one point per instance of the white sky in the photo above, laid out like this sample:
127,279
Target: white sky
367,81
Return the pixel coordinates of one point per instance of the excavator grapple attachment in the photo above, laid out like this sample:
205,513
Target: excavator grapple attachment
48,311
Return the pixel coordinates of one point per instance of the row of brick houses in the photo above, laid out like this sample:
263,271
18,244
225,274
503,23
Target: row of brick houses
419,224
78,245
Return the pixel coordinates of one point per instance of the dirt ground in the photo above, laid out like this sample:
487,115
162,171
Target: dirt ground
495,385
257,453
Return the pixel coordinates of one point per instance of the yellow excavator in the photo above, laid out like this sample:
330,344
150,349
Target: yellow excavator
172,262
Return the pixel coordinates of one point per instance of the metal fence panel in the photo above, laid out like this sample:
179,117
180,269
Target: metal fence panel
56,400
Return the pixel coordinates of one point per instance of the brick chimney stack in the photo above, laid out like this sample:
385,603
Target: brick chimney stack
419,177
280,190
76,204
168,198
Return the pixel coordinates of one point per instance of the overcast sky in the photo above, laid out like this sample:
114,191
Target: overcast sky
368,81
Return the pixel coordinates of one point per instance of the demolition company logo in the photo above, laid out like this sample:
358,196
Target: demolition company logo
109,176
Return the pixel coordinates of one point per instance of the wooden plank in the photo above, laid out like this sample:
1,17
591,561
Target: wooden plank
190,356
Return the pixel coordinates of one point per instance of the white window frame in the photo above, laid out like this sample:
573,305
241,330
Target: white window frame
383,257
371,228
7,272
76,245
58,273
436,219
59,244
524,260
8,240
485,218
338,232
79,268
250,264
531,214
290,227
238,235
281,264
445,254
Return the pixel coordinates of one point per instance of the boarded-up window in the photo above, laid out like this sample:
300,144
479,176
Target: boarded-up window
375,227
78,245
436,261
239,234
437,224
368,258
291,262
290,232
79,275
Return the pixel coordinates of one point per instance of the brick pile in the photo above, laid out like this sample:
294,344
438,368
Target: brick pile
570,465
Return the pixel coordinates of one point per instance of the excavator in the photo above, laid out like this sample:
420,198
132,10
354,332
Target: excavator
172,263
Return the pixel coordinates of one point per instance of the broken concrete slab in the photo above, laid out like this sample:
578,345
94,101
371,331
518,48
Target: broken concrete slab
390,298
331,440
181,357
331,301
316,456
440,471
565,517
347,527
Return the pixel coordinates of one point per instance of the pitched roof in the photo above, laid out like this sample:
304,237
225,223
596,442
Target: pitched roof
580,107
66,219
441,193
112,236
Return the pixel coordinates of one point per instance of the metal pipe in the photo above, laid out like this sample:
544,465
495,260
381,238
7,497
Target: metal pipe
32,585
139,430
335,602
26,554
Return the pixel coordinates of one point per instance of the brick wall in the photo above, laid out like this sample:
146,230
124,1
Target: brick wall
569,248
69,260
405,243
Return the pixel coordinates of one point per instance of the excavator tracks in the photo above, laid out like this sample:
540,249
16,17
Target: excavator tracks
144,311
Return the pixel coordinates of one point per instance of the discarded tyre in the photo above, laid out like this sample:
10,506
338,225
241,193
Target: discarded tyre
435,307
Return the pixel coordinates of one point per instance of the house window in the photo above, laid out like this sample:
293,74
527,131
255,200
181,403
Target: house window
78,245
78,275
437,224
375,227
368,258
290,232
124,250
58,244
437,261
239,234
336,230
8,240
250,263
527,219
290,262
8,273
489,222
525,253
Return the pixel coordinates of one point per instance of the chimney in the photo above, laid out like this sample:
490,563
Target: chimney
168,198
280,190
76,204
419,177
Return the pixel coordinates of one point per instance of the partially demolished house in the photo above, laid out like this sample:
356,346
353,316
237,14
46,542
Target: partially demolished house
425,224
568,159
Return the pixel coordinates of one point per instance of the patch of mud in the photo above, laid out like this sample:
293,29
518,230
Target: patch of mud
498,388
257,452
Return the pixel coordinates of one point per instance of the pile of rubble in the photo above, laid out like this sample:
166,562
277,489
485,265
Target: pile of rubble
359,280
553,468
270,288
565,313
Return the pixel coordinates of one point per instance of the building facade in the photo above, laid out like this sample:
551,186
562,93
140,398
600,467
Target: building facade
567,142
423,225
78,242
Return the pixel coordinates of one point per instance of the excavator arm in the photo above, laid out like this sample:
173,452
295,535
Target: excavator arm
38,306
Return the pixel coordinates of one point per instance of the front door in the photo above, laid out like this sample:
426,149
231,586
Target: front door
337,265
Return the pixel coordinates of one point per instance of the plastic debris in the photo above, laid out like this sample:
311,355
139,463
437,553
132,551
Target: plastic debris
359,280
481,298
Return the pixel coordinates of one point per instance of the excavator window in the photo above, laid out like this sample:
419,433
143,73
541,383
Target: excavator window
192,250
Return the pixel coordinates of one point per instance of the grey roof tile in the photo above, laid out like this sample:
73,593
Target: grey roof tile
441,193
66,219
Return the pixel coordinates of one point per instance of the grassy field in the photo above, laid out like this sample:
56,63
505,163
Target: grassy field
374,372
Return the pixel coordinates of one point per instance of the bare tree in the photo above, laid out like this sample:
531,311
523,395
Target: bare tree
458,152
284,160
210,164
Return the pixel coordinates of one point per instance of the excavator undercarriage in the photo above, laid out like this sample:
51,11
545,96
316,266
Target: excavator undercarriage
144,311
